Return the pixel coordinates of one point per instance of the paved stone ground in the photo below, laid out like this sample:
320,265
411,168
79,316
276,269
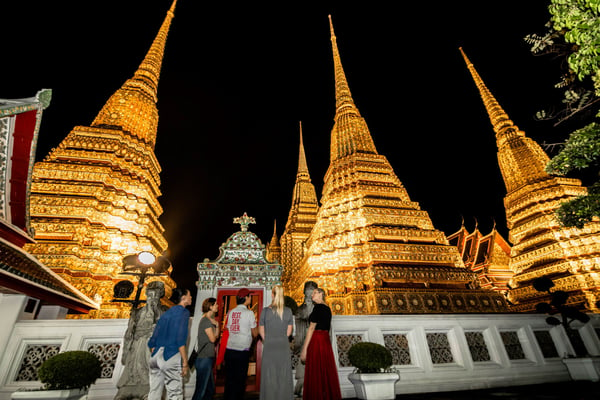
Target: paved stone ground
570,390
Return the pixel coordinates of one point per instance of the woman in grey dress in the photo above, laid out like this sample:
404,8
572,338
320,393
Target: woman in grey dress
275,327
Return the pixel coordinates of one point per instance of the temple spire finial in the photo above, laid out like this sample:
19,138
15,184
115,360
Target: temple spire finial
350,133
332,32
244,221
519,164
132,108
302,166
343,98
275,239
498,117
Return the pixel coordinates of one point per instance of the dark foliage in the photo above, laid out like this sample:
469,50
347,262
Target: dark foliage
70,370
369,357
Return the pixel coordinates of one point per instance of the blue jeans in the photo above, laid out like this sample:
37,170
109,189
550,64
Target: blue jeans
205,380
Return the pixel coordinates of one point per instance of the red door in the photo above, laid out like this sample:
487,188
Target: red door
227,301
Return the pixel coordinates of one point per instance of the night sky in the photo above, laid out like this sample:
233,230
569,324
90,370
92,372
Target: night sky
237,79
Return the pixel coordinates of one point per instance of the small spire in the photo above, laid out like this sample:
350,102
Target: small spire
302,166
274,239
303,186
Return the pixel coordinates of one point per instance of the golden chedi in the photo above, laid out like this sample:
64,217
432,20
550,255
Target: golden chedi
94,197
540,246
372,248
300,222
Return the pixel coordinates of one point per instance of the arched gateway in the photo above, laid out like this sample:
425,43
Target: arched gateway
241,263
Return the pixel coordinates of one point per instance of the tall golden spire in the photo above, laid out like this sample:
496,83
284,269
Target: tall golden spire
371,248
94,198
132,108
541,247
350,133
514,148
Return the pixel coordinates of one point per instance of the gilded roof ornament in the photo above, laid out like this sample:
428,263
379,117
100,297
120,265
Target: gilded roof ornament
244,221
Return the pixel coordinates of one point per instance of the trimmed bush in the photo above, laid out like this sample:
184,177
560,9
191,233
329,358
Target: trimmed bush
70,370
369,357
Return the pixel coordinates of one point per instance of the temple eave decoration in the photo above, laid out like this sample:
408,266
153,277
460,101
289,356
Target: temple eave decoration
422,301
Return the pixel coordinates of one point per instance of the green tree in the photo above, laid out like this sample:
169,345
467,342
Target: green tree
574,33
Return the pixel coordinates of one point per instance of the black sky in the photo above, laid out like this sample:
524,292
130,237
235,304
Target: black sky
236,80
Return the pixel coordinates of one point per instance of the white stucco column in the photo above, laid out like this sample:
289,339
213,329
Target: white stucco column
11,306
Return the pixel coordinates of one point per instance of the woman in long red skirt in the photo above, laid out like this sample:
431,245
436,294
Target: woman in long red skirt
320,375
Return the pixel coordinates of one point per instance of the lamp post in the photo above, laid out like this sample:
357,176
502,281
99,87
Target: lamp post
136,354
139,265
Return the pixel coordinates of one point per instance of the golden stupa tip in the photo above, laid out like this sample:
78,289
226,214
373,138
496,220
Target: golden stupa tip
464,56
331,26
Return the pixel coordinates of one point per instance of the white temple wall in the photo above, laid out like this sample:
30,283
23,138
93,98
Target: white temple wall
11,306
31,342
431,352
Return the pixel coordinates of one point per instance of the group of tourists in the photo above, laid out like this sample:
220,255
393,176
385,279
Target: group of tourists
169,359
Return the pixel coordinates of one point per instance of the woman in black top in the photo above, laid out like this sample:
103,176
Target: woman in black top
320,377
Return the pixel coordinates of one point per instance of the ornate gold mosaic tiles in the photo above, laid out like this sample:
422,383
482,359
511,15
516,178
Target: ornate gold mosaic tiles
372,248
94,197
541,247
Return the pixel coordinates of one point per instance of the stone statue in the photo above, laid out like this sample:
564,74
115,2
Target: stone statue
301,319
133,383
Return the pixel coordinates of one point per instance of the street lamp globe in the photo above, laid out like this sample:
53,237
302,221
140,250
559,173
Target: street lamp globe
146,258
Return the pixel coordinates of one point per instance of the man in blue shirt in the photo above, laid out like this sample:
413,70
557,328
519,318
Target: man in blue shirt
168,363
